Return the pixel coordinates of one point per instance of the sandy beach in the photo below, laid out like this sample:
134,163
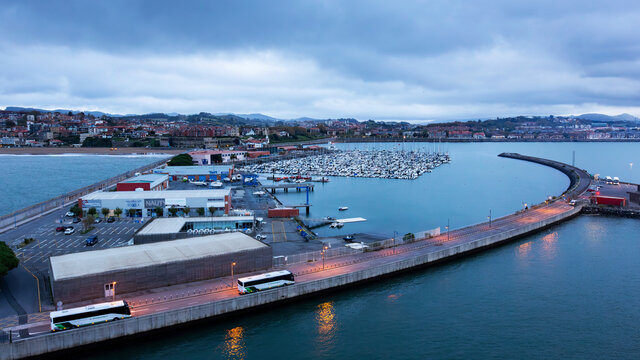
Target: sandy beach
96,151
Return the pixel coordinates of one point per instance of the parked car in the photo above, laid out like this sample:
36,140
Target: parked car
76,220
98,221
111,219
70,230
349,238
61,228
69,214
572,203
261,237
91,240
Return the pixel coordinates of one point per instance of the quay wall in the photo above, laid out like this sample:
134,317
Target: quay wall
8,221
50,343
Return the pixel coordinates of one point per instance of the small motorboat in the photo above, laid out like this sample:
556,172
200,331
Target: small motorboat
343,208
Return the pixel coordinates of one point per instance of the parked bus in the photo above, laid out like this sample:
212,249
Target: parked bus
89,315
608,180
616,180
251,284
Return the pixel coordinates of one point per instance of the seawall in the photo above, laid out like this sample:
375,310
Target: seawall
136,325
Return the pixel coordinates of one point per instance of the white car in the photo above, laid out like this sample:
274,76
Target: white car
70,230
69,214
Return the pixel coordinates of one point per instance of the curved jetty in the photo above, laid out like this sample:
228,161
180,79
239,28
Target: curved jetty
357,163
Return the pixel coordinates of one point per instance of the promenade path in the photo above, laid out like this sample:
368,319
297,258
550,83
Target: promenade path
185,295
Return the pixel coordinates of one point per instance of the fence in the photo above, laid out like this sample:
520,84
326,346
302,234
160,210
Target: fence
60,201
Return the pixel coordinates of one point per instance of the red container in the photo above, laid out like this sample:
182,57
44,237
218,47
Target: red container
283,212
610,200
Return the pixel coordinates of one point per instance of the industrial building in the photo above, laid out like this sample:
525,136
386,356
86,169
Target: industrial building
145,203
209,157
104,273
147,182
162,229
195,173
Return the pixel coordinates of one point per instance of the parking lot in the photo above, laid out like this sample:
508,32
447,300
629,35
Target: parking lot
49,242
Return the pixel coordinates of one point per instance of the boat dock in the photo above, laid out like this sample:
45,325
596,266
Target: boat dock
297,186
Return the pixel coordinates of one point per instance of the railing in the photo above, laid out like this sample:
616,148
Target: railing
59,201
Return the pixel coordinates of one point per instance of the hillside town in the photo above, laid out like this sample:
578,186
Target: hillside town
206,131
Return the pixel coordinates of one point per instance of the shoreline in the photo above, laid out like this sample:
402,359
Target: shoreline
88,151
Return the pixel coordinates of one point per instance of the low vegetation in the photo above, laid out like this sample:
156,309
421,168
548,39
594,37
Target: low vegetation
8,259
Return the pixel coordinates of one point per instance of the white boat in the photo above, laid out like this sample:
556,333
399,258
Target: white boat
216,184
336,225
343,208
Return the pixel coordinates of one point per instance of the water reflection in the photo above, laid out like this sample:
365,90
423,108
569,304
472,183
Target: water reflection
524,249
326,319
234,346
549,245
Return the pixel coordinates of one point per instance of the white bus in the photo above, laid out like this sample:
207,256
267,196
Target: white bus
616,180
251,284
89,315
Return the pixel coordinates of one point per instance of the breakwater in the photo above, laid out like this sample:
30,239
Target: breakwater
348,273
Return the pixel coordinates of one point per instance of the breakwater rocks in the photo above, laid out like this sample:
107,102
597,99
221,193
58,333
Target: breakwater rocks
357,163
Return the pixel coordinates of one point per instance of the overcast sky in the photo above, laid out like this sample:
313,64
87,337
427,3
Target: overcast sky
382,60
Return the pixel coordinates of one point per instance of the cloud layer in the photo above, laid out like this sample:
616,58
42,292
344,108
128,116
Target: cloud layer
418,60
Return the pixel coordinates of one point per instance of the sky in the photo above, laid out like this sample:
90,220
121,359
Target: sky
383,60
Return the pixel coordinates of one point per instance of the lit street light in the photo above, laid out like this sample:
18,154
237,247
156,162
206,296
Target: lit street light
447,227
232,265
489,217
113,291
393,246
324,248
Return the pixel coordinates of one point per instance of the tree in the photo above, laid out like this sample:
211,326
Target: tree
75,209
117,212
132,212
8,259
181,160
9,124
87,222
105,211
212,209
159,211
186,210
173,211
92,211
200,211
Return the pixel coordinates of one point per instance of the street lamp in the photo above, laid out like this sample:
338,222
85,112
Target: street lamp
393,246
489,217
447,227
324,248
113,291
232,265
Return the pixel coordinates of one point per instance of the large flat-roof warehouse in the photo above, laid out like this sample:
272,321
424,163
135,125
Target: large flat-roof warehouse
145,203
161,229
84,275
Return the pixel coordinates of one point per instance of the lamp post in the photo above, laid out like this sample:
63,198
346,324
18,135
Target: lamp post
232,265
489,217
393,246
113,291
324,248
447,227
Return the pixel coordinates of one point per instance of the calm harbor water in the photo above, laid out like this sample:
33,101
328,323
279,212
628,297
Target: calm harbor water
29,179
570,292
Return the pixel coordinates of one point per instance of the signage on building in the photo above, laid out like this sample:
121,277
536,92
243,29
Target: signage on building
153,203
134,204
176,202
91,203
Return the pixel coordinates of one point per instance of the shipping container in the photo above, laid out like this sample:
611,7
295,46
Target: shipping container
283,212
610,200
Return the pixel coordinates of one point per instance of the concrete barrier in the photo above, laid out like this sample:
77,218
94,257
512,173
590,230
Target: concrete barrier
66,340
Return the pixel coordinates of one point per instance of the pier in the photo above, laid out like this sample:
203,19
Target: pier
297,186
207,299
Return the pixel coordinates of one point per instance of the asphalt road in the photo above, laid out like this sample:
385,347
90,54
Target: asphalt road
180,296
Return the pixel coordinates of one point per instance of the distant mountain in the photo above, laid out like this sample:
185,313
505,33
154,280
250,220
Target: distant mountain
305,119
604,118
61,111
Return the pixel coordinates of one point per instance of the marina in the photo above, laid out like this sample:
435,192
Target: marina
386,164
